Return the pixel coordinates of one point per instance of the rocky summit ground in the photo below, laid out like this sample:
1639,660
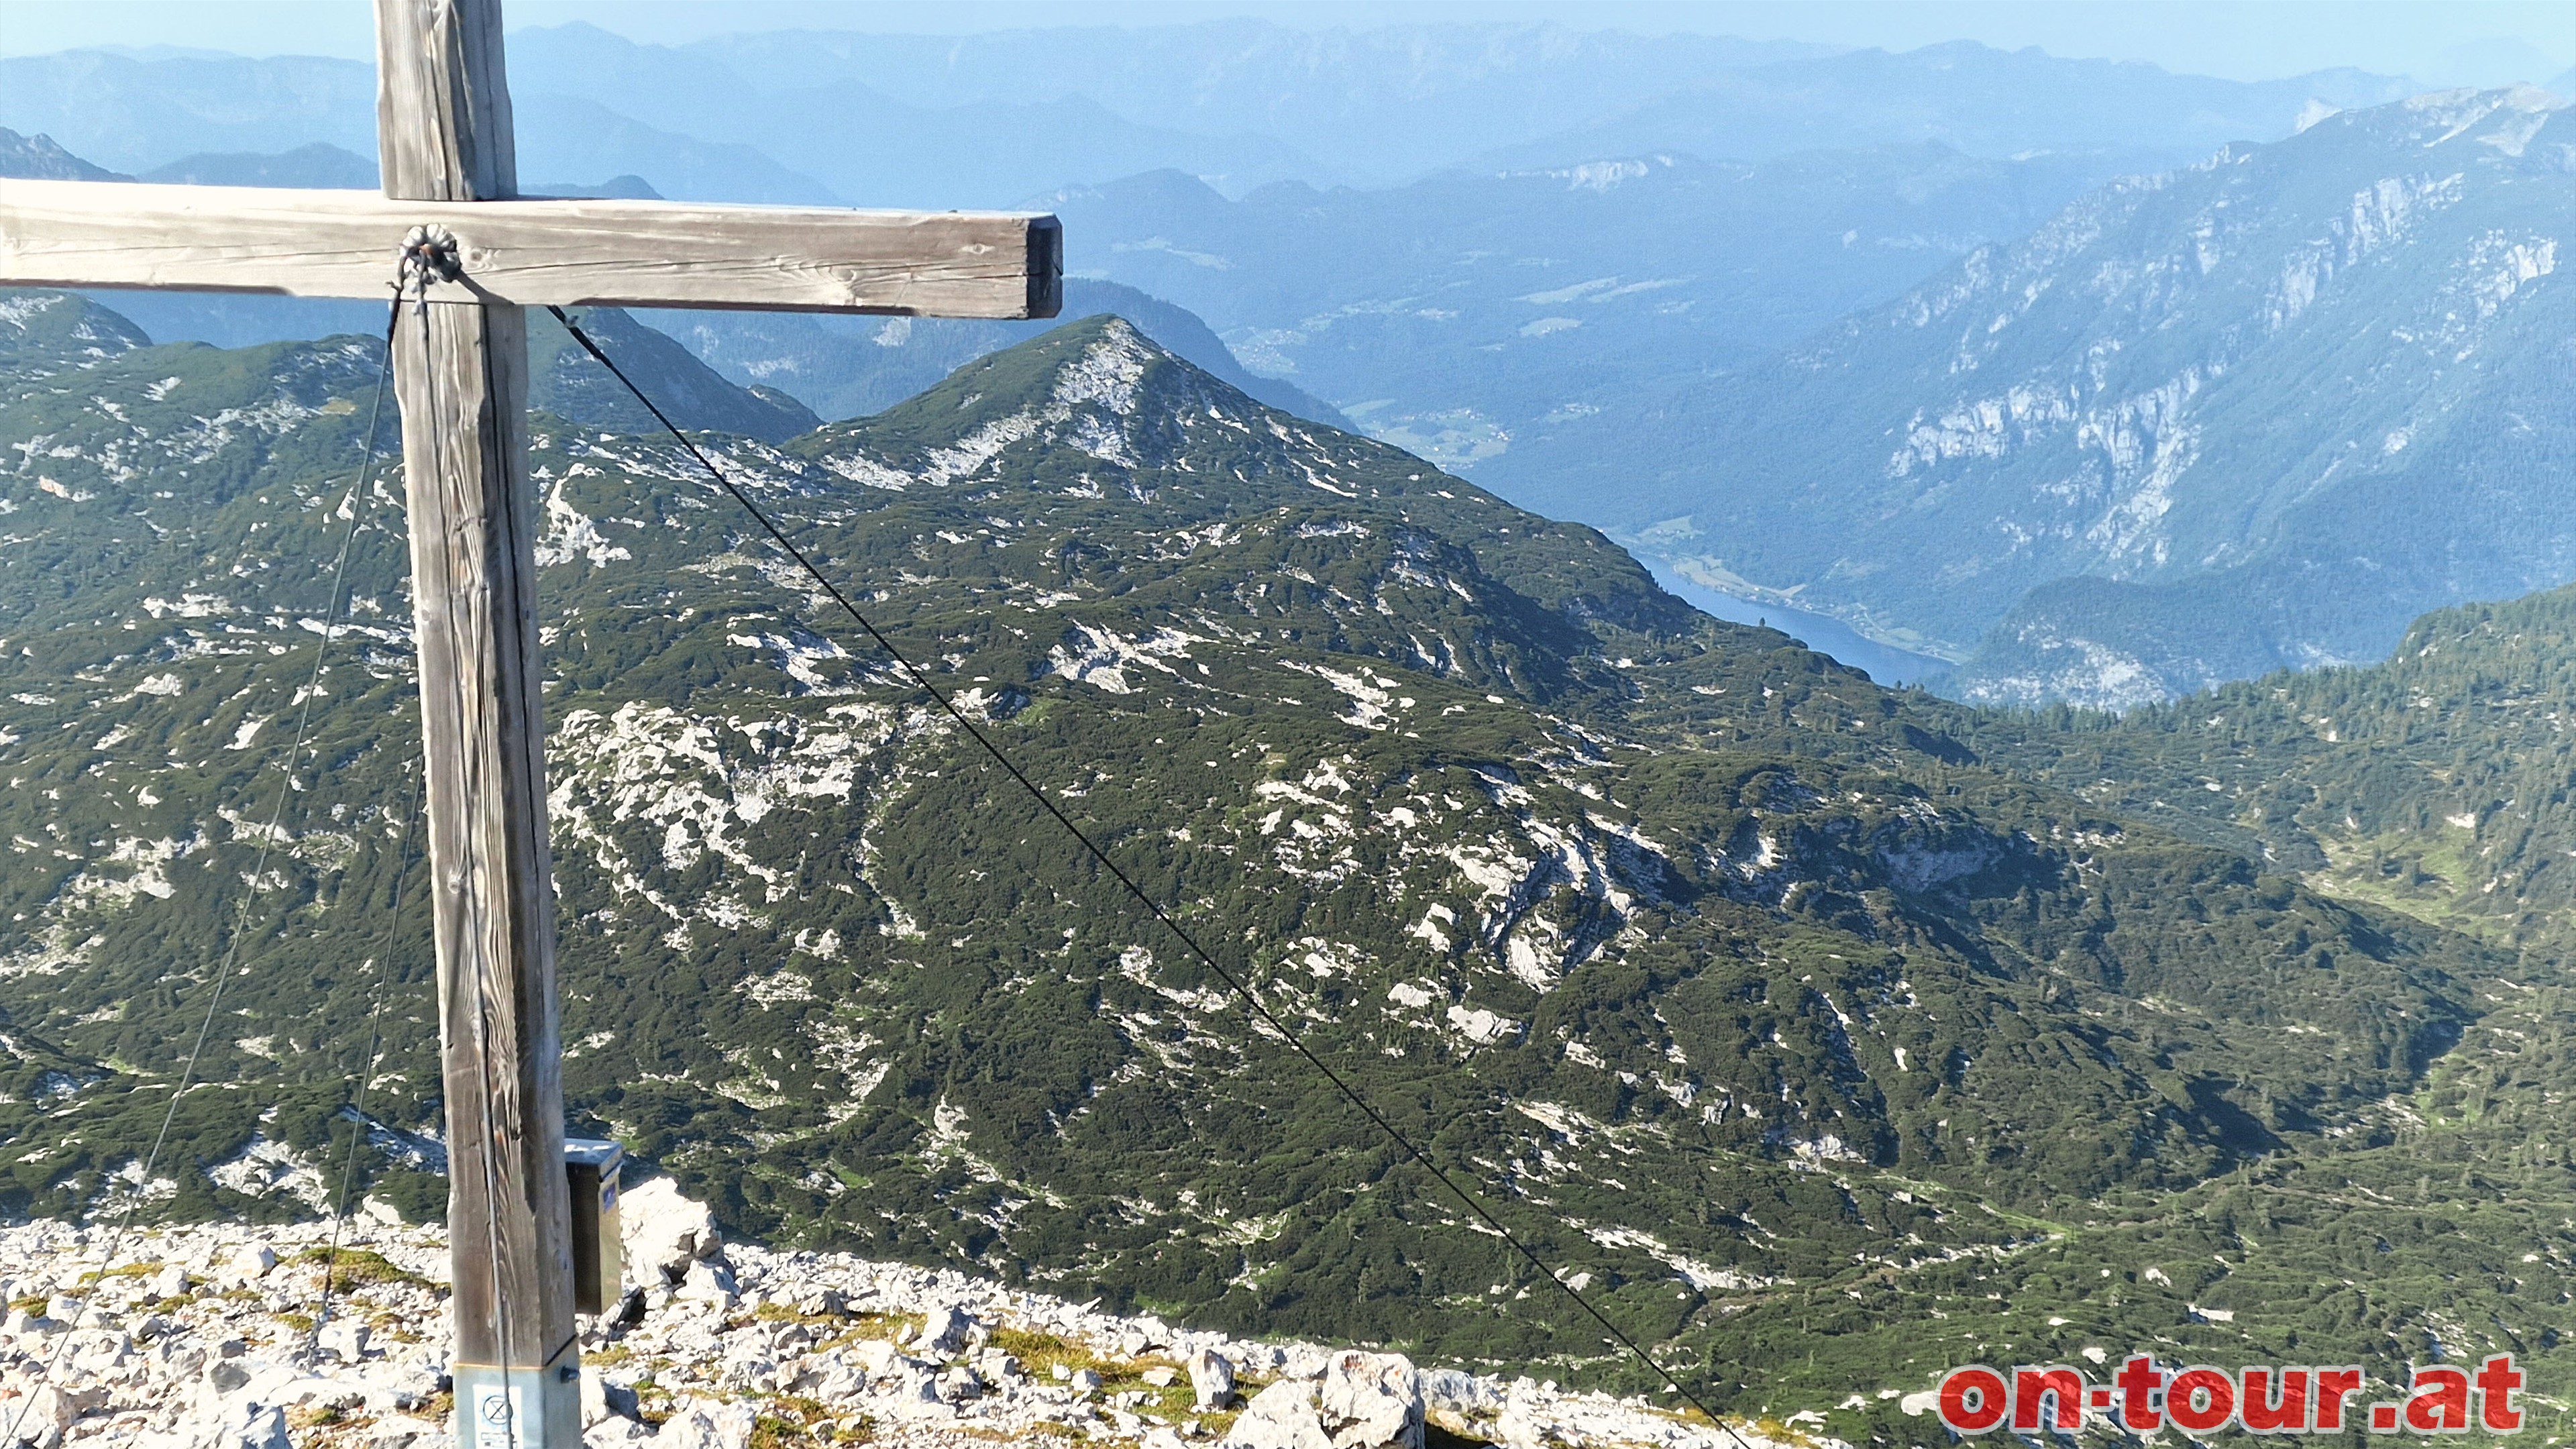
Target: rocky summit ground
218,1336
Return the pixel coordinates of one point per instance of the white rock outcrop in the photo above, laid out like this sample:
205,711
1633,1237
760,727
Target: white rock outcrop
1358,1401
1212,1379
663,1233
166,1352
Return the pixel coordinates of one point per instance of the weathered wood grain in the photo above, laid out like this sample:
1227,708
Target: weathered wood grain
460,379
532,253
443,101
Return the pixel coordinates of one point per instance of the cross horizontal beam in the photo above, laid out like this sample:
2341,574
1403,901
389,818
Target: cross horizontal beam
534,253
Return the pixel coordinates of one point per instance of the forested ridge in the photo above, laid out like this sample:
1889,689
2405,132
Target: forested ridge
1831,1035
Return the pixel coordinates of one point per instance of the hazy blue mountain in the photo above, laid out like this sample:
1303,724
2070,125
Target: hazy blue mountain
223,114
566,381
628,187
225,319
326,166
563,381
561,135
42,158
318,164
844,366
133,113
1377,106
1455,314
2262,411
847,367
869,148
1978,99
1387,104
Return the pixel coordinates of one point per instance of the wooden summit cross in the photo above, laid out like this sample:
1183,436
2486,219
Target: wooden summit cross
443,131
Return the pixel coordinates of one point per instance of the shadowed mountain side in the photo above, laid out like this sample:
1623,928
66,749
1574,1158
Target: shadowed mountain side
2261,411
568,382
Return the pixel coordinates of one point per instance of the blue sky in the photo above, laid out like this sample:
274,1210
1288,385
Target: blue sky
2447,42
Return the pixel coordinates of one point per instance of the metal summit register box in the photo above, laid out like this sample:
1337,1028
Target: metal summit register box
591,1167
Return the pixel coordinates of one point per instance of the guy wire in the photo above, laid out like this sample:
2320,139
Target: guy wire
1237,984
259,868
374,1055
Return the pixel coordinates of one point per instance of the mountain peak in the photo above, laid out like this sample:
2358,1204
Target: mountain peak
42,158
61,327
1098,383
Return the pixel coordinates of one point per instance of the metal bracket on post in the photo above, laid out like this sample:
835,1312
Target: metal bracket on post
501,1408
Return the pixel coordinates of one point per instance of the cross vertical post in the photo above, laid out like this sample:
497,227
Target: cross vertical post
460,375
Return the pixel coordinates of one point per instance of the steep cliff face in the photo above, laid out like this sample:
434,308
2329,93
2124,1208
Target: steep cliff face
2260,411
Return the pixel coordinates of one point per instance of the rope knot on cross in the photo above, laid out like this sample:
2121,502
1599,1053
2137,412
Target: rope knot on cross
429,253
450,172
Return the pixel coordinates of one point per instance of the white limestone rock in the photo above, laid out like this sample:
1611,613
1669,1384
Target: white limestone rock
1370,1399
1281,1416
707,1424
707,1283
1212,1378
1361,1401
46,1414
250,1426
344,1339
604,1399
401,1431
250,1263
944,1330
208,1370
663,1233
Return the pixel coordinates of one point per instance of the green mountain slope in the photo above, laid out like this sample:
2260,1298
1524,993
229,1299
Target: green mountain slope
2434,784
1825,1054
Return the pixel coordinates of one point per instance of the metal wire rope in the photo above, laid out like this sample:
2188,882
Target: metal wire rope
267,842
1237,984
366,1075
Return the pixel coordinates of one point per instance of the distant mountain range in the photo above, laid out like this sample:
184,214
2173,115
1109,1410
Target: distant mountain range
2257,412
984,120
1370,106
846,366
1974,98
1461,312
1588,306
